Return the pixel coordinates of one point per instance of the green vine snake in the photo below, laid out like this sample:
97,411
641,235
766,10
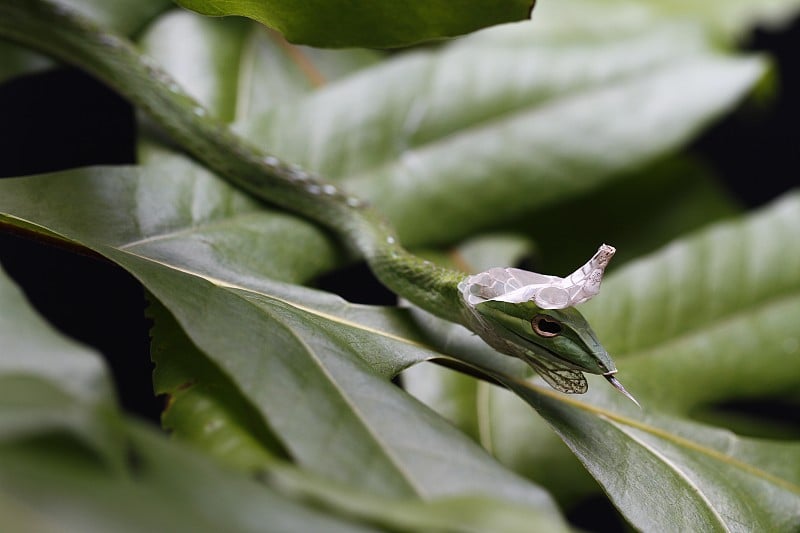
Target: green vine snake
519,313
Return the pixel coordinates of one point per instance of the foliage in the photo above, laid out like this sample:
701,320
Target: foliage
281,400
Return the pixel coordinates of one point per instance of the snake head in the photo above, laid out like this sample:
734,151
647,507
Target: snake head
562,336
531,316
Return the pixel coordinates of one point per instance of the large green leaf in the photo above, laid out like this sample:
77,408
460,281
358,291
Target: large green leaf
714,316
314,367
721,309
368,24
504,122
463,121
417,131
686,476
70,462
206,409
568,114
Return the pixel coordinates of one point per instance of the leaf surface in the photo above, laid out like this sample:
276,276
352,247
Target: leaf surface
442,141
505,122
314,367
698,351
69,461
368,24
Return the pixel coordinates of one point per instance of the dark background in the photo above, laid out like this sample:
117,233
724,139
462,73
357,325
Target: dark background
62,119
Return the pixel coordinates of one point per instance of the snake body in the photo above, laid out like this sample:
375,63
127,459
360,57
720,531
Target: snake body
554,339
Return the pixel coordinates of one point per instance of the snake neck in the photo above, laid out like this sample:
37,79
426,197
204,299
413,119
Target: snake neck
63,34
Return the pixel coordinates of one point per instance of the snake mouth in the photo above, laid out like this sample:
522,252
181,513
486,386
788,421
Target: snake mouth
617,385
535,349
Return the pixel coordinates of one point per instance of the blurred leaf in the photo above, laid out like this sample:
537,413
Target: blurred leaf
17,61
368,24
237,69
674,196
70,462
734,18
730,19
499,124
328,125
51,383
122,16
619,85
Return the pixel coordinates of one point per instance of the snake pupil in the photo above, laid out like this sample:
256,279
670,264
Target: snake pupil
546,327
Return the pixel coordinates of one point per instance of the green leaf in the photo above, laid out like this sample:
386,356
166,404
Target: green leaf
204,407
675,196
191,220
49,383
368,24
315,367
712,316
456,128
17,61
70,462
122,16
439,122
687,477
709,318
166,487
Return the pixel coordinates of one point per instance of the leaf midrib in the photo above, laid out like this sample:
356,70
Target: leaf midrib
660,433
390,457
310,310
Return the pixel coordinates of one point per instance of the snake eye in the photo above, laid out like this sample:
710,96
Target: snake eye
545,326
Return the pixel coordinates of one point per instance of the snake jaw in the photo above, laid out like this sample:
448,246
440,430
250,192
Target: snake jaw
617,385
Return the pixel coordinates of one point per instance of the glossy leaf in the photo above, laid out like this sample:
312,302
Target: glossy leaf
687,476
712,315
689,339
205,409
475,134
468,117
315,368
69,461
396,134
368,24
